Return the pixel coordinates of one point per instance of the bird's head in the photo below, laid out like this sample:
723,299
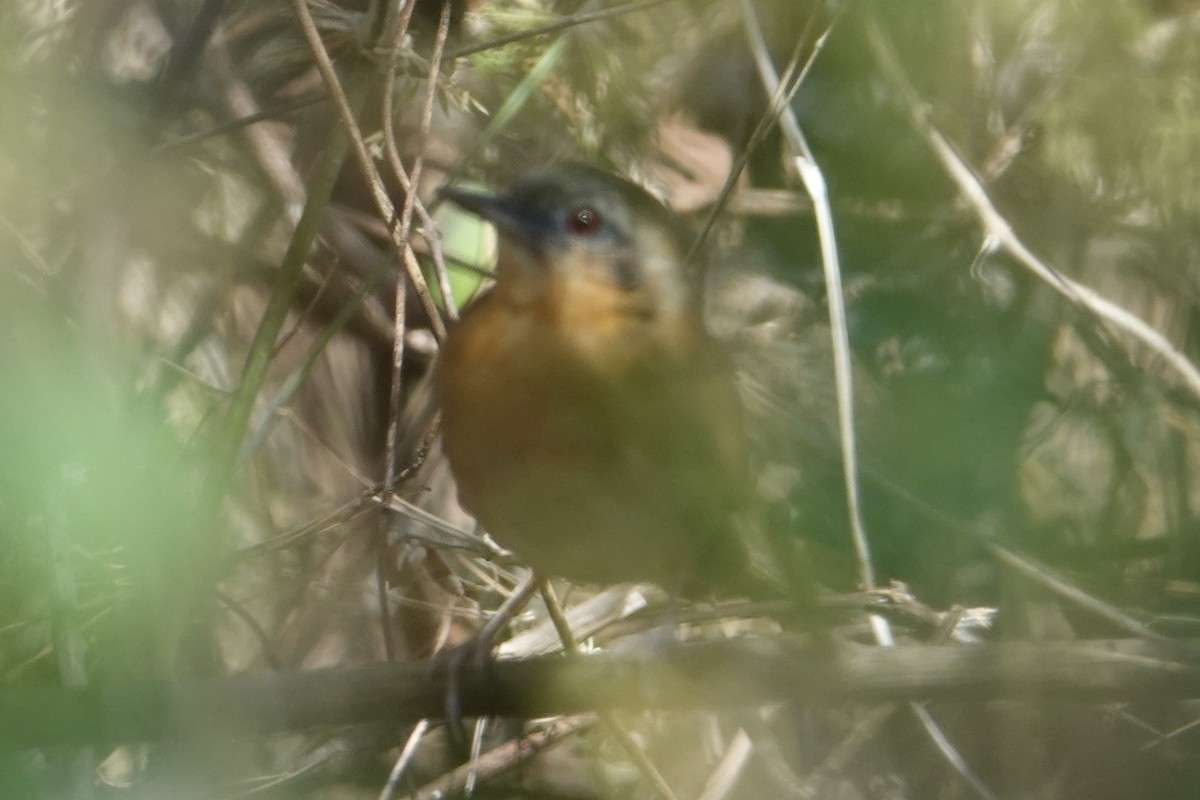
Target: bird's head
588,250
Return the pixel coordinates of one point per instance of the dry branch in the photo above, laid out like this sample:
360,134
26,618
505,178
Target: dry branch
722,674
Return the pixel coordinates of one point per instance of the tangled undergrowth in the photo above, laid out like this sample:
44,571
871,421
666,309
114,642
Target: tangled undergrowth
226,274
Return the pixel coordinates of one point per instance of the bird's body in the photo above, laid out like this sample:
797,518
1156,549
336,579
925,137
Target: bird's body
591,422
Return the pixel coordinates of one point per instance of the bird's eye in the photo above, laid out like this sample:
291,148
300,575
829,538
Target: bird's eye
583,221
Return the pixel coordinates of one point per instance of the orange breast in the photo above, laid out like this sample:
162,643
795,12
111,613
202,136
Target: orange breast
593,468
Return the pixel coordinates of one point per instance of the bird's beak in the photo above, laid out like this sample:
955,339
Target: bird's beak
499,210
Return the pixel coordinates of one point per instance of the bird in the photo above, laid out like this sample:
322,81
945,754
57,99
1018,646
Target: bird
590,420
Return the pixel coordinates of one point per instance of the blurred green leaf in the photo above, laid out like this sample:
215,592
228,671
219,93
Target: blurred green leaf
469,246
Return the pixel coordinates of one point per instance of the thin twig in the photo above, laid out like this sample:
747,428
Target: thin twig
398,330
814,184
999,233
789,84
271,152
950,752
1048,579
389,92
341,318
448,535
31,254
302,103
503,758
722,780
406,754
241,121
557,25
411,198
262,347
410,185
240,611
70,642
366,165
628,743
512,104
512,605
1027,567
